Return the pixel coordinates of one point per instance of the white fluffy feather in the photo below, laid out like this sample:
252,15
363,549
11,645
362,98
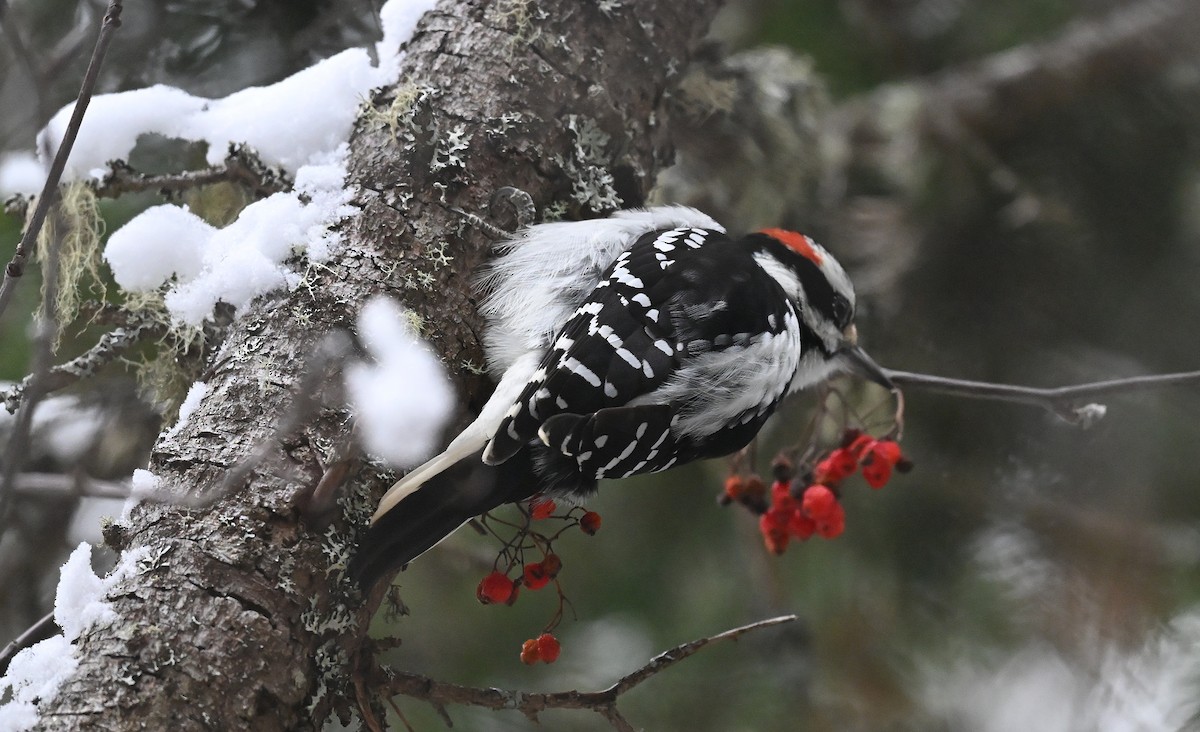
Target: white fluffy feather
548,270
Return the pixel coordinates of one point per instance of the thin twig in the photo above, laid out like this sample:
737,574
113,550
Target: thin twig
1063,401
604,703
61,485
666,659
16,266
39,631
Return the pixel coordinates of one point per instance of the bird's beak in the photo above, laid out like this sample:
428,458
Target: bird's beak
860,363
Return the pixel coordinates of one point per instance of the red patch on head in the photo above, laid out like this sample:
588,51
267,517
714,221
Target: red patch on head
798,243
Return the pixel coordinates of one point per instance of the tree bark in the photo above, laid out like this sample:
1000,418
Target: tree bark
240,616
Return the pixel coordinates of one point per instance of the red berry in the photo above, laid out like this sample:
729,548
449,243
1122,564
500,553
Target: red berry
801,526
590,523
536,576
542,508
832,524
495,588
548,647
887,450
818,502
551,565
837,466
754,487
530,652
734,487
860,446
774,527
877,473
781,496
879,460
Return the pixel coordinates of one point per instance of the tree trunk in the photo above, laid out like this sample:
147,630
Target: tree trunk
240,615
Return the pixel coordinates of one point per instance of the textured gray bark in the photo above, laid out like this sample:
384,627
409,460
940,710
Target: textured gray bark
240,615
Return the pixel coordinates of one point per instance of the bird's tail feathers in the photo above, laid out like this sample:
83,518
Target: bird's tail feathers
431,510
470,441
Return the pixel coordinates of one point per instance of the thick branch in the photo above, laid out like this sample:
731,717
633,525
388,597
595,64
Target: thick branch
1006,90
272,624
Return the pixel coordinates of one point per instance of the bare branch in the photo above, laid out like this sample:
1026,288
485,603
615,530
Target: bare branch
666,659
110,346
16,266
39,631
604,703
35,384
1063,401
241,166
59,485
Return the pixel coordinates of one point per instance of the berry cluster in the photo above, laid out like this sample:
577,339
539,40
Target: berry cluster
544,648
798,509
498,588
877,458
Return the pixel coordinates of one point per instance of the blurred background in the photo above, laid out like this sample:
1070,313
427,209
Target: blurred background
1014,188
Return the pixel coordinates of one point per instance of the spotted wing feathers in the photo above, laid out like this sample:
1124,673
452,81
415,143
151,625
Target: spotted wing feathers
615,442
618,345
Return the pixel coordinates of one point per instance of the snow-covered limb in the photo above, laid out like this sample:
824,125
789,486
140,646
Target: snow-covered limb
168,245
241,166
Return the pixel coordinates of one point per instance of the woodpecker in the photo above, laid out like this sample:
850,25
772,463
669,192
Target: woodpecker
623,346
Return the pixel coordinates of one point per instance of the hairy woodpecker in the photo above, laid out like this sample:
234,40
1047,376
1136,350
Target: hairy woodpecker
622,346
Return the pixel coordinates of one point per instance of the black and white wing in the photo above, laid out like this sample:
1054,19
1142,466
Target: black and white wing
682,312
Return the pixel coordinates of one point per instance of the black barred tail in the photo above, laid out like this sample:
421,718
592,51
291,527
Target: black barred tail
433,511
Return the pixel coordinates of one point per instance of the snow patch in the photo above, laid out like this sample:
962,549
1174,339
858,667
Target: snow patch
290,123
141,484
21,172
191,403
402,400
398,20
78,604
300,124
159,243
36,673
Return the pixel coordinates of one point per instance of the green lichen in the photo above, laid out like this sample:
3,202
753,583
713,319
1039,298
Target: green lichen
165,375
399,116
592,185
75,230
